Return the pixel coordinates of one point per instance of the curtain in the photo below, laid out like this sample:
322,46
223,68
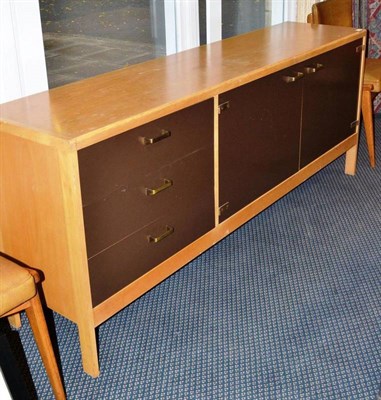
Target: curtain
367,14
374,27
303,8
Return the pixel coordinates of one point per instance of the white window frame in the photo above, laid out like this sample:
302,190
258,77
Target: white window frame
213,20
182,25
22,57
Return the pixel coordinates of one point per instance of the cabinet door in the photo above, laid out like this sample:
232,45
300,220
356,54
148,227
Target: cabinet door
259,138
329,100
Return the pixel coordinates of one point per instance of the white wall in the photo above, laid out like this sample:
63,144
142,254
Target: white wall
22,58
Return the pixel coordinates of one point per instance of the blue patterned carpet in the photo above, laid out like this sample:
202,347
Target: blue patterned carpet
287,307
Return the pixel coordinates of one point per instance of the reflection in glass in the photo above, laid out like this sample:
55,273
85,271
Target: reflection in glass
241,16
88,37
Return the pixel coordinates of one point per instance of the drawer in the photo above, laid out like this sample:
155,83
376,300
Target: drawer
127,260
187,188
111,165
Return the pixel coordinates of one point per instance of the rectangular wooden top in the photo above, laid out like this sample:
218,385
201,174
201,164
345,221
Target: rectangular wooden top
88,111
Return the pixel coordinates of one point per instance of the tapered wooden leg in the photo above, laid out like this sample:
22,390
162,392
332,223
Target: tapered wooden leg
15,321
351,161
367,113
41,334
88,342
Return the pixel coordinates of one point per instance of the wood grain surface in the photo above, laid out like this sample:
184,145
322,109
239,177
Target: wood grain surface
91,110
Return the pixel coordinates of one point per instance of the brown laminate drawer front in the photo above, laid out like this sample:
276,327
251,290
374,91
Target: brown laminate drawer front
112,164
190,215
187,188
118,174
132,191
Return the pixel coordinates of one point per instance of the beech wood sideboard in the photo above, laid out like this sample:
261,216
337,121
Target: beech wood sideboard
111,184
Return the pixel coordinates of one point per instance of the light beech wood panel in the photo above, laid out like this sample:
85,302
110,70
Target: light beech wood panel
33,217
351,155
216,161
88,111
42,226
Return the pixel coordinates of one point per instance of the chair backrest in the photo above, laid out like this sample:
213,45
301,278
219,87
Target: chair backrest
332,12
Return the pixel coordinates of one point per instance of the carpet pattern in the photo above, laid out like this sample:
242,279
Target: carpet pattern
286,307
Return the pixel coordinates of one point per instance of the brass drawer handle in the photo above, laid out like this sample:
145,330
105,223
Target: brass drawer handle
311,69
289,79
167,183
168,231
163,135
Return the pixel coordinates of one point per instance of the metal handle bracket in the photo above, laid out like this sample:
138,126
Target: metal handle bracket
163,135
167,184
311,69
168,231
290,78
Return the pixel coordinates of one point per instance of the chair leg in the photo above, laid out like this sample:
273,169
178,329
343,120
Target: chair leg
41,334
367,113
15,321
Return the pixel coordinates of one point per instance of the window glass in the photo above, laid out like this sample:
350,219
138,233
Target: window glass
88,37
83,38
241,16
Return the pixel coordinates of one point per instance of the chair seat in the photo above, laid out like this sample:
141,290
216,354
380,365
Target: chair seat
372,74
16,285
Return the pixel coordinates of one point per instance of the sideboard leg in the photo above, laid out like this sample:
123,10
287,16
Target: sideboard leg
351,161
88,342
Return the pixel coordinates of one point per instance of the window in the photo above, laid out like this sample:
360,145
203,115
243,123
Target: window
88,37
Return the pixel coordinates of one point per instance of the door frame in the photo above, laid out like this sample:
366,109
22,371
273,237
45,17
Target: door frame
22,66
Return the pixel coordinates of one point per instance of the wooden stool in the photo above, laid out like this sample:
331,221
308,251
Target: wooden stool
17,293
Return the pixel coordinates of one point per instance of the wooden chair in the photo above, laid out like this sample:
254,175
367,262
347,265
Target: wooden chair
339,12
18,292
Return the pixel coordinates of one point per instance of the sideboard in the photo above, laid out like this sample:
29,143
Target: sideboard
111,184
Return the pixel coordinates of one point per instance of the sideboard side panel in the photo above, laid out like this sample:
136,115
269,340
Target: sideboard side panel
34,217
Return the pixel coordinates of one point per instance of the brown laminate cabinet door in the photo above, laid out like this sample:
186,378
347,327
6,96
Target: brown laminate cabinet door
329,100
259,138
